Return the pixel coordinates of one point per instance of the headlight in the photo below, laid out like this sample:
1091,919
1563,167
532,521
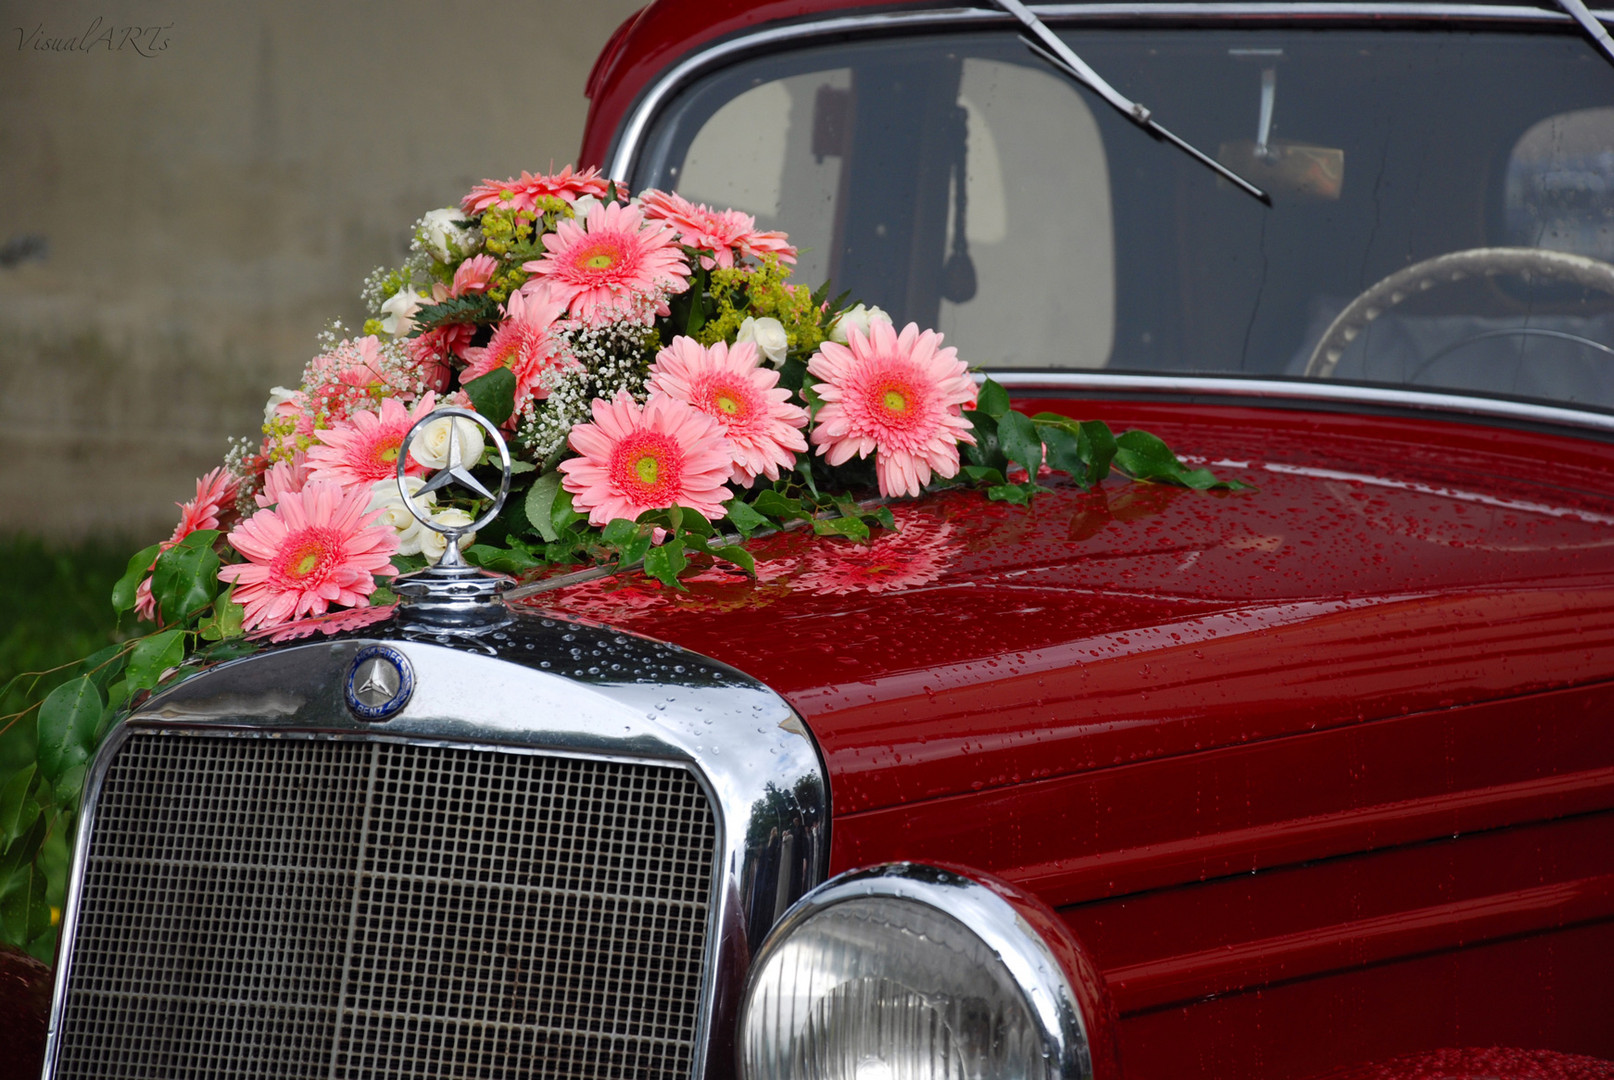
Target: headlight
907,972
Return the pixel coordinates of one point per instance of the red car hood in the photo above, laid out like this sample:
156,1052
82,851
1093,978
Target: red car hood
1381,567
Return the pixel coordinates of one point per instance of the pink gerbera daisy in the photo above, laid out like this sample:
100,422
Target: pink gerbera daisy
525,344
364,448
636,459
283,478
474,275
613,261
316,548
214,504
722,232
523,192
728,385
900,397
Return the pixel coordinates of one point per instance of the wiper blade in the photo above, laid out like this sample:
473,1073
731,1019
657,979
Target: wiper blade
1590,23
1046,44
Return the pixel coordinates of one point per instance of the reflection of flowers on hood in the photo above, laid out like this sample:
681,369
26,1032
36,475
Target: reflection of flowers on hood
919,552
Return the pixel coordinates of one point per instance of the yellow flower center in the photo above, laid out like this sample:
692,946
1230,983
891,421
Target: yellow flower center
648,469
895,401
305,565
388,455
728,402
600,260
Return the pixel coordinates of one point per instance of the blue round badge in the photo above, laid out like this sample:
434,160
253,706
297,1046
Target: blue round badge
379,682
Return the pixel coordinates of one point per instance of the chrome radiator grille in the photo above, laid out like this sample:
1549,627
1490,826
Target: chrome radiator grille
283,907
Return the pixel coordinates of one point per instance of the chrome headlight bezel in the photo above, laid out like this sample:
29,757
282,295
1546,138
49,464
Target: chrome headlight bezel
1030,963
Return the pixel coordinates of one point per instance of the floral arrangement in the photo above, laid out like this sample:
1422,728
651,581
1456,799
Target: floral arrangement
666,392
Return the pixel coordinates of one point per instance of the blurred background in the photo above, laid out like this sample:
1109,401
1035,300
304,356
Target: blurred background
190,191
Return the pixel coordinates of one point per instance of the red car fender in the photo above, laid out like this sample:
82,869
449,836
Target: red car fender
1092,995
1475,1063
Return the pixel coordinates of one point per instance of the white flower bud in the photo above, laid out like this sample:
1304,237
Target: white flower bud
431,444
582,205
384,496
768,335
446,241
399,311
434,543
859,317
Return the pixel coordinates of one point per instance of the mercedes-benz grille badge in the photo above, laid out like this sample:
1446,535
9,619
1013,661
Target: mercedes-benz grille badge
379,682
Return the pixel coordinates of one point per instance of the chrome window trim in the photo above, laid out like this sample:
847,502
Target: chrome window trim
1321,392
739,739
1042,979
628,139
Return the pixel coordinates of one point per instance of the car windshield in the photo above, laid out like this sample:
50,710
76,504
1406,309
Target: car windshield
959,181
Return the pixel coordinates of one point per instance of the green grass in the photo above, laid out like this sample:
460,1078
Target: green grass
55,608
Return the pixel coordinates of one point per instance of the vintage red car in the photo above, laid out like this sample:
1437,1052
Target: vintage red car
1311,779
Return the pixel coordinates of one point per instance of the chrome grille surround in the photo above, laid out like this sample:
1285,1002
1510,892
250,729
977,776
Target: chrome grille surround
347,899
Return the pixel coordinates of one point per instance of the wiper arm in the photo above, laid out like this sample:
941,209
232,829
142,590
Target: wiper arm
1046,44
1589,23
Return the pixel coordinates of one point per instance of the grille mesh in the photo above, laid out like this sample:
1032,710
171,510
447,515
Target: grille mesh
315,908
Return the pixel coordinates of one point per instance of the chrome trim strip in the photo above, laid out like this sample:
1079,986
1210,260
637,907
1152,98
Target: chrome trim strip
1043,981
554,687
1308,390
625,144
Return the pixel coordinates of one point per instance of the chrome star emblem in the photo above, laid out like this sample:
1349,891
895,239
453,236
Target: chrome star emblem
379,683
456,471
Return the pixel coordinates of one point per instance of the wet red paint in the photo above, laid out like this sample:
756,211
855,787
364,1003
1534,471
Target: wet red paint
1338,747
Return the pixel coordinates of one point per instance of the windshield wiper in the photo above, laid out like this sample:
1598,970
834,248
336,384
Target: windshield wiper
1046,44
1589,23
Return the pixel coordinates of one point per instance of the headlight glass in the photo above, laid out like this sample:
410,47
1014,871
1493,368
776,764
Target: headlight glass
893,988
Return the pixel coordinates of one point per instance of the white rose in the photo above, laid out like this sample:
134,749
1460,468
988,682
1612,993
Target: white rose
445,239
583,205
768,336
395,515
859,317
400,312
434,543
431,444
278,396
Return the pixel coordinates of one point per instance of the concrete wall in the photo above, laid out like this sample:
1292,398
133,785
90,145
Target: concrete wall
190,190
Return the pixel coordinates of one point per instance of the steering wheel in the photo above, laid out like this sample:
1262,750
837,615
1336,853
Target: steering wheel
1456,266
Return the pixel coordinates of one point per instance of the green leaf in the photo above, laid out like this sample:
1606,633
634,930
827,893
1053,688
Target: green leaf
852,528
985,451
229,618
619,532
994,400
21,851
494,394
1064,452
187,577
779,507
1021,443
24,912
886,518
67,722
737,555
123,593
511,560
983,475
744,518
540,505
1019,494
153,656
106,665
1143,456
517,467
634,550
666,562
695,522
13,797
804,469
561,515
1096,446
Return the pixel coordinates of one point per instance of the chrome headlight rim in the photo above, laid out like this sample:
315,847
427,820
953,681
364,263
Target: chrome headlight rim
1026,955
